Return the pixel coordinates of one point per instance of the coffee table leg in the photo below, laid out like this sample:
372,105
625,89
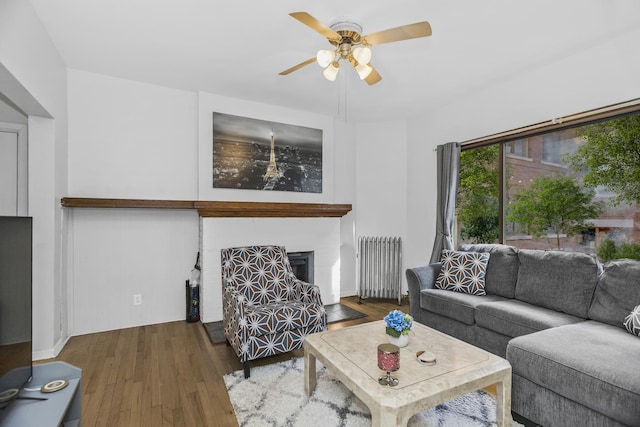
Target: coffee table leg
503,398
381,417
310,375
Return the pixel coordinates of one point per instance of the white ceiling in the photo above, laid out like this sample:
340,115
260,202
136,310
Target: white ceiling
237,48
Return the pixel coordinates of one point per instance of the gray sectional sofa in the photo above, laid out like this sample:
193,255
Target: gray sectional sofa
557,317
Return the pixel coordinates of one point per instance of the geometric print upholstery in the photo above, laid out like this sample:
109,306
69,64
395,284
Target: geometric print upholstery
266,309
632,321
259,273
463,271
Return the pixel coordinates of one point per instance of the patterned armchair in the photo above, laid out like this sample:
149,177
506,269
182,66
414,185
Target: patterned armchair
266,309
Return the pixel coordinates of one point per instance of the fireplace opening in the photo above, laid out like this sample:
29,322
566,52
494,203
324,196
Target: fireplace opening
302,265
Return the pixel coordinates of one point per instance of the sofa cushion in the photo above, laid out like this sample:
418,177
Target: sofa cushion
561,281
454,305
462,272
502,268
617,292
514,318
591,363
272,318
632,321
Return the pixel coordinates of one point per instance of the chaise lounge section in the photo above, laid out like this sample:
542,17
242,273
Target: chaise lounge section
558,318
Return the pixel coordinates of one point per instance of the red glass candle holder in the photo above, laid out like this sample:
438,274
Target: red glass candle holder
389,361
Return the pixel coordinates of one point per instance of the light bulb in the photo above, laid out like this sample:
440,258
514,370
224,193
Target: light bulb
331,71
325,57
363,70
362,54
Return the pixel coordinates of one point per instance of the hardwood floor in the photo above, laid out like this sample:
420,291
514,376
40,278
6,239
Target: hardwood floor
168,374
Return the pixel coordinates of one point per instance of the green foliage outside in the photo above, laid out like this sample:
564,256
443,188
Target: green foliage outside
556,205
477,203
481,220
610,157
628,250
608,251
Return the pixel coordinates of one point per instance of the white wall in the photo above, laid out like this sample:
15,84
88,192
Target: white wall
381,180
421,191
11,115
601,74
34,79
345,192
116,254
130,140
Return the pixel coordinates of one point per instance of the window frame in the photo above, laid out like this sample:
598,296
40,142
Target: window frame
609,112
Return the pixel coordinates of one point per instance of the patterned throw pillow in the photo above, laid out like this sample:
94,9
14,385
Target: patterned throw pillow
463,271
632,321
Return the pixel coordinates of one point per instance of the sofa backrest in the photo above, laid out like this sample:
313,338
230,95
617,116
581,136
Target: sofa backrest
502,268
617,292
561,281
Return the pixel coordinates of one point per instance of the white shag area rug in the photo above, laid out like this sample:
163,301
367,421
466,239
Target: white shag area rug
274,396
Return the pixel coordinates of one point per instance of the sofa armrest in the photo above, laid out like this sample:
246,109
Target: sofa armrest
234,305
306,292
423,277
419,278
309,293
233,314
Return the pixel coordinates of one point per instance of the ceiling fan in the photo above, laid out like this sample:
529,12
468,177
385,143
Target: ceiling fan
350,45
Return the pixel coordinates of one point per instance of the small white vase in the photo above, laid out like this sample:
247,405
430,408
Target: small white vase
401,341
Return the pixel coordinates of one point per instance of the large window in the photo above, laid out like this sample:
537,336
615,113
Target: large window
573,188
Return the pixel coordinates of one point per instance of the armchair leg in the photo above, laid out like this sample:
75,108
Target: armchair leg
247,369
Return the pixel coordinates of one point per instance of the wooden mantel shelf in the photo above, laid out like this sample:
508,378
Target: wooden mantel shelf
87,202
209,209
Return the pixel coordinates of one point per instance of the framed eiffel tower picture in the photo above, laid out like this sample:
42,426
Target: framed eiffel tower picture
263,155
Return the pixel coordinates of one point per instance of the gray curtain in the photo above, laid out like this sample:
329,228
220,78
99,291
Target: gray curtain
448,177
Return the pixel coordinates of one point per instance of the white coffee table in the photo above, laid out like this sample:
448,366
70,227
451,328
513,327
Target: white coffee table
351,355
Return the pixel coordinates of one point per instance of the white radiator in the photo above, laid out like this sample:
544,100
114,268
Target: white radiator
380,267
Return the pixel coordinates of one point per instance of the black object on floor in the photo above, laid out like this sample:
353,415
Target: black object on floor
340,312
215,331
335,313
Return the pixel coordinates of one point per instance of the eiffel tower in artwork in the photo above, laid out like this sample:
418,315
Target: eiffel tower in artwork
271,176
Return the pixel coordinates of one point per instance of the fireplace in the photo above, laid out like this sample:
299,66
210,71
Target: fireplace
320,235
302,265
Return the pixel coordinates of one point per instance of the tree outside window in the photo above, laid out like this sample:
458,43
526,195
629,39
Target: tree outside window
552,207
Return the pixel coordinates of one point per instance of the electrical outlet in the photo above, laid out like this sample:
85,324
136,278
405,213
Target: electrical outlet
137,299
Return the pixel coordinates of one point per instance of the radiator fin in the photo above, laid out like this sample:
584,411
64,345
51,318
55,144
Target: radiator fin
380,267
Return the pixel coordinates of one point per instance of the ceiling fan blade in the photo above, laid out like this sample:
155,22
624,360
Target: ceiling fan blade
297,67
405,32
314,24
373,77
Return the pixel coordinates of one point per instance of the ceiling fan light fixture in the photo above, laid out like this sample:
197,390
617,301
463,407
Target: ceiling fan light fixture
345,34
325,57
331,71
363,71
362,54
